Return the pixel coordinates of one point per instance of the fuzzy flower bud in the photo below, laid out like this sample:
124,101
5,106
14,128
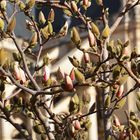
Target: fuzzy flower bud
42,19
16,70
79,76
74,6
75,37
22,76
86,58
106,32
46,73
60,74
120,91
72,74
116,121
86,4
3,5
19,73
51,15
68,83
1,24
76,124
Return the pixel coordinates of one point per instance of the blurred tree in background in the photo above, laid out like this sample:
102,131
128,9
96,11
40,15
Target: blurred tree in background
106,65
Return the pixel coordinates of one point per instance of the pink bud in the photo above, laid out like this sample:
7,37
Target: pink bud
68,83
86,3
91,38
46,74
120,91
19,73
60,74
77,124
72,74
116,121
16,71
22,76
86,58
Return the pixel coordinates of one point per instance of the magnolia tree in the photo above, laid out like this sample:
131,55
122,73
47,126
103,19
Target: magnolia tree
109,72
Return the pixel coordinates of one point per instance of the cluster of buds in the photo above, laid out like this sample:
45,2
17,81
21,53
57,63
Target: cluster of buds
19,73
